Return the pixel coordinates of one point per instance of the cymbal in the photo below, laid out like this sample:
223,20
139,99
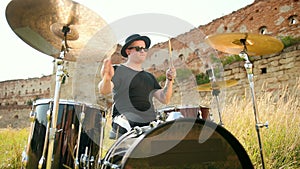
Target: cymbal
40,24
221,84
256,44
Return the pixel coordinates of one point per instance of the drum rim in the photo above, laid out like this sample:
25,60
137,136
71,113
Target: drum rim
168,108
187,106
237,147
63,101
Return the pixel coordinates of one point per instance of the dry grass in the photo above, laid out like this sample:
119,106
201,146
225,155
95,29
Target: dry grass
281,141
12,142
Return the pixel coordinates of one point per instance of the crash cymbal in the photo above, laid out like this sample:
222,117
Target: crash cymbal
256,44
40,23
221,84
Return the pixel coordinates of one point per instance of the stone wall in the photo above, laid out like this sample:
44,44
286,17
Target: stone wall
23,91
271,73
16,97
277,18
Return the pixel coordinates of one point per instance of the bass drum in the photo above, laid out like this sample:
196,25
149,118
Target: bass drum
182,143
67,135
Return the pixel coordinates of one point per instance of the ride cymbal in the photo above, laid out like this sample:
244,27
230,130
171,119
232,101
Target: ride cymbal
40,24
256,44
221,84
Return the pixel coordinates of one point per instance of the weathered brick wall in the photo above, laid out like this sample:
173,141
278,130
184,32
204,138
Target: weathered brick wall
20,92
16,97
272,14
271,73
279,19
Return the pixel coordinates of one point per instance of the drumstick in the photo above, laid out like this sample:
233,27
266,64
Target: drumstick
170,54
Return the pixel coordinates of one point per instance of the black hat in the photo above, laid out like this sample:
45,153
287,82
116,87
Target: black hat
133,38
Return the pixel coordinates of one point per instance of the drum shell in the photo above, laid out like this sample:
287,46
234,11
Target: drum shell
189,111
66,137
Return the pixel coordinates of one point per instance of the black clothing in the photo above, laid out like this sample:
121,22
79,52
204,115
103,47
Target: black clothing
132,94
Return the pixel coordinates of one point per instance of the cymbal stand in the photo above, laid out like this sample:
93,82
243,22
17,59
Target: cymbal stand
32,116
61,74
215,92
42,159
248,66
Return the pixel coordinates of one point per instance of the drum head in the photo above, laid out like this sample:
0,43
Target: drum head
186,143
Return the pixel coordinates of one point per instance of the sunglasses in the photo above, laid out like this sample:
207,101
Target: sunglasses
139,49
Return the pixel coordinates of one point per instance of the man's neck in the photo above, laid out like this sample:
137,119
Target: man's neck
134,66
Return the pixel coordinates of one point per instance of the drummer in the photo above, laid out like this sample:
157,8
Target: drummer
132,87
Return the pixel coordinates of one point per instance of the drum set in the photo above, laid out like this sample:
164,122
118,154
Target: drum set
70,134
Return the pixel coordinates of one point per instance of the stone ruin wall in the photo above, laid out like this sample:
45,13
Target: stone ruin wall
271,72
274,16
16,97
274,71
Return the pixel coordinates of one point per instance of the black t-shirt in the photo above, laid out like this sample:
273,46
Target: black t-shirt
133,94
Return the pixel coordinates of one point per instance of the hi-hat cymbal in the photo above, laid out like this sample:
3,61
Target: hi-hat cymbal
221,84
256,44
40,23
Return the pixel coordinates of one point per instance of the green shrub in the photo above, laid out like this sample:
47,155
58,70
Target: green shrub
289,41
231,59
202,78
161,78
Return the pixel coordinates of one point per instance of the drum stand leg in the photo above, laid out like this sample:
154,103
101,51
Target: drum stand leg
258,125
42,160
102,123
32,116
82,116
61,74
215,92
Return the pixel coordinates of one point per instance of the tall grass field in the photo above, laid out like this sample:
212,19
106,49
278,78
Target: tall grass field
280,141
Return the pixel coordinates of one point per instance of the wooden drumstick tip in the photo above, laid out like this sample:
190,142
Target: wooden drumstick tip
170,49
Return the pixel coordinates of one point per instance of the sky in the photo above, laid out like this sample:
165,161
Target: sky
21,61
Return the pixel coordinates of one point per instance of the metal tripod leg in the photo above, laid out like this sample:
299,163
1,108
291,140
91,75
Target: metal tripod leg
102,123
81,120
60,75
215,93
248,66
25,157
42,159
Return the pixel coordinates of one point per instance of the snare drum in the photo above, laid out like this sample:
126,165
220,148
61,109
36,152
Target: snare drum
181,143
205,112
185,111
188,111
66,138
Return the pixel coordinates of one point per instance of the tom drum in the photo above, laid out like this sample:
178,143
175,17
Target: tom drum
67,152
